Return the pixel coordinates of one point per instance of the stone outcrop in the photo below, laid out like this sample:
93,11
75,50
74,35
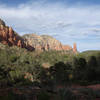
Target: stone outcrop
74,48
45,43
31,41
9,37
66,47
2,22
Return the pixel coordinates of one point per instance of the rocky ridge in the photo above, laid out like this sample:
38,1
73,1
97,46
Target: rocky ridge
45,43
9,37
31,41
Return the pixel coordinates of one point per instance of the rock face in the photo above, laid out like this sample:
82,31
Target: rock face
45,43
2,22
74,48
31,41
10,37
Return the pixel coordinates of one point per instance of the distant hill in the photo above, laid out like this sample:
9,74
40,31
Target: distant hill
45,43
89,53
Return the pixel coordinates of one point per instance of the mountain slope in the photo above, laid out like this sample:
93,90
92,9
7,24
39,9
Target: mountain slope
31,41
45,43
9,37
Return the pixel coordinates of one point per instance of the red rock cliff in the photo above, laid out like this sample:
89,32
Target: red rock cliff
74,48
10,37
31,41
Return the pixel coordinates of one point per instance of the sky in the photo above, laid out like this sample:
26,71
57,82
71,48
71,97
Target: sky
68,21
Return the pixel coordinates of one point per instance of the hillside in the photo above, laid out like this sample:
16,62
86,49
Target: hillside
45,43
48,74
89,53
57,73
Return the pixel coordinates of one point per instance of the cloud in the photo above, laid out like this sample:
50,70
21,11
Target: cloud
67,23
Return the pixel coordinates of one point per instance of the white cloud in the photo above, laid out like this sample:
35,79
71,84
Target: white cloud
68,24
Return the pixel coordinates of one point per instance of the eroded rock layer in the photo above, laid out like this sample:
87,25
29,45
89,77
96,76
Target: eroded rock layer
45,43
31,41
9,37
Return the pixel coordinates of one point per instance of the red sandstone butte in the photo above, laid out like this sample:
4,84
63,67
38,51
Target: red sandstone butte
31,41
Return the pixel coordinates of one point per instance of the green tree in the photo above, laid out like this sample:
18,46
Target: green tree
59,72
80,66
92,70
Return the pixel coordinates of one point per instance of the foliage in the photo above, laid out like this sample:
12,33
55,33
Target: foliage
49,67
